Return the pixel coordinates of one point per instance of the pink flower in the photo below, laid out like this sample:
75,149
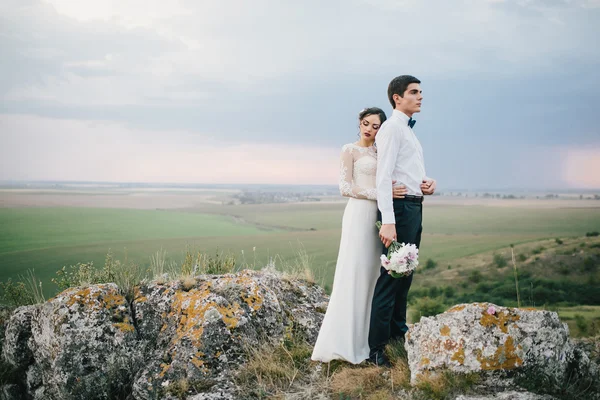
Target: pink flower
384,261
491,310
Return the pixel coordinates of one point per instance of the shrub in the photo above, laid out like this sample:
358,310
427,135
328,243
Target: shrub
538,250
564,269
430,264
28,290
449,292
582,324
426,307
500,261
15,294
475,276
589,264
434,291
558,241
592,234
522,257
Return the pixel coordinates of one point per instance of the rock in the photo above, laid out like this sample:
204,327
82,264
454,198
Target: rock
201,332
16,350
10,392
485,337
510,395
590,346
80,344
172,341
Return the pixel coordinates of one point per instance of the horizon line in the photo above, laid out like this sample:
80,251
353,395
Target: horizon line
181,184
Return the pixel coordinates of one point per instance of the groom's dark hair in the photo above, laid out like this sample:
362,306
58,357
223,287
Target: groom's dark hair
398,86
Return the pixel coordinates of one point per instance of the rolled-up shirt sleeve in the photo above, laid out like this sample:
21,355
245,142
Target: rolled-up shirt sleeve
388,143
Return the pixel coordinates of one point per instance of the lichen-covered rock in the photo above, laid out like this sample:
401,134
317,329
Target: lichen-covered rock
80,344
509,395
201,331
10,392
5,313
17,333
484,337
174,340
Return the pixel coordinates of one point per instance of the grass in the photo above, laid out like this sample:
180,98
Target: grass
25,229
284,370
50,238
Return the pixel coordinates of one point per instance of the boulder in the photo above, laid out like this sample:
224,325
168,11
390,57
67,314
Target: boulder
485,337
202,331
80,344
183,339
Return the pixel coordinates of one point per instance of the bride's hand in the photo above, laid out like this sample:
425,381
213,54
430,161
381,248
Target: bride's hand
398,192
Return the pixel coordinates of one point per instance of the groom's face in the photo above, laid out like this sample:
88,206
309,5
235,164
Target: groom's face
411,102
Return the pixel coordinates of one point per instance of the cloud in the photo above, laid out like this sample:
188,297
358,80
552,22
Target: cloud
502,79
581,167
51,149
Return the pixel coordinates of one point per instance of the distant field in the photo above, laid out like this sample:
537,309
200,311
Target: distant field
45,239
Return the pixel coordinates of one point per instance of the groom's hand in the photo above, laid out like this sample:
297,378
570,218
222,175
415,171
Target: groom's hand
387,234
428,186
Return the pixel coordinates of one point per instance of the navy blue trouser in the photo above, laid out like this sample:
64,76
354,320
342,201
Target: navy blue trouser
388,311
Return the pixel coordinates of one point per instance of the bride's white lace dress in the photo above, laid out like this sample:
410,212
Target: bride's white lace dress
344,333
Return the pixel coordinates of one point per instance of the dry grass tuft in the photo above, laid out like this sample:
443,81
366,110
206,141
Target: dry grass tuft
439,386
188,282
382,394
271,369
358,382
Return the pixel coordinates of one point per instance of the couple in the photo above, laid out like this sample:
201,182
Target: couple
367,307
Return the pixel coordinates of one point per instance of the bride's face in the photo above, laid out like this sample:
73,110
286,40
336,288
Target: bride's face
369,126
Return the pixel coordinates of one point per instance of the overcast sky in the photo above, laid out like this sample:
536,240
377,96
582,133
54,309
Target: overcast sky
268,91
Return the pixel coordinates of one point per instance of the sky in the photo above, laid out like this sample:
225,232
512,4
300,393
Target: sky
267,91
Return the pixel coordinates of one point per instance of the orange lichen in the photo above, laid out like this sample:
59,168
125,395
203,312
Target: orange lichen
137,295
457,308
124,326
505,357
165,367
459,356
190,308
445,330
253,299
425,361
113,300
500,319
198,363
450,345
78,297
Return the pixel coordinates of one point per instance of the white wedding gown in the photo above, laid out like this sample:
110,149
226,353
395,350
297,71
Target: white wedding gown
344,333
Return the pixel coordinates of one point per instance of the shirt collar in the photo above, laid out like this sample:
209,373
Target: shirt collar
401,115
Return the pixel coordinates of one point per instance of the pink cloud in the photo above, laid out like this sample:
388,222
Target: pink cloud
36,148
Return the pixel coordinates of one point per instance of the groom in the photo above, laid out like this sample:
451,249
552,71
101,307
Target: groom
400,159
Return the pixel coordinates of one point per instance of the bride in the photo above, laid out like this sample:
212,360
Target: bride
344,333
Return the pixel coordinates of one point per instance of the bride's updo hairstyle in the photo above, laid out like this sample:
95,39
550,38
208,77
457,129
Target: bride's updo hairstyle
372,111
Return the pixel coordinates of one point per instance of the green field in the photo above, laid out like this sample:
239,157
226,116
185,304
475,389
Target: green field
45,239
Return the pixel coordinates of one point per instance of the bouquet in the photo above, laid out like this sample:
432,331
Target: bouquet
402,258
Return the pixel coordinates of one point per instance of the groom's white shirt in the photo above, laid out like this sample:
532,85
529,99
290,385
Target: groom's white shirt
399,158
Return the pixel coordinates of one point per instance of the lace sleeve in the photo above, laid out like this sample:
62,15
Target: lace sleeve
347,186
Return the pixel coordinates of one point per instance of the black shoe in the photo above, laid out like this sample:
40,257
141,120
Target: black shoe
379,359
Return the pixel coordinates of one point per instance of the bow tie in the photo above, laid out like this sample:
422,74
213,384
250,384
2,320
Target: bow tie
411,123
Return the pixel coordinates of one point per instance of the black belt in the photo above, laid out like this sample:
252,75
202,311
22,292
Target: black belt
411,198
